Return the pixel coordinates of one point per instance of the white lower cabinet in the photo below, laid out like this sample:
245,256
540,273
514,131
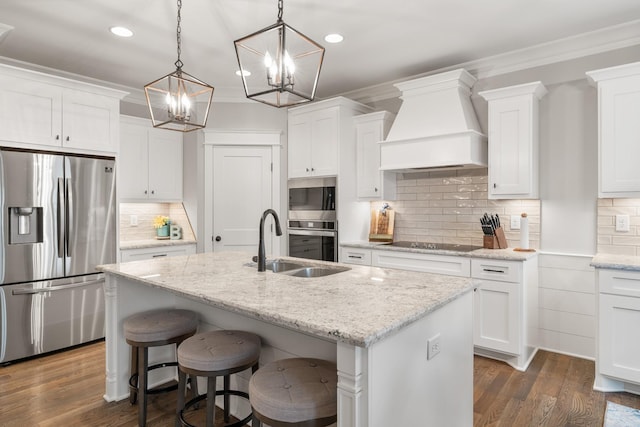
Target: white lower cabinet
355,256
496,322
127,255
618,353
428,263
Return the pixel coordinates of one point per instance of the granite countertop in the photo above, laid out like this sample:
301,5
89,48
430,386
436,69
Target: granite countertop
153,243
360,306
508,254
616,262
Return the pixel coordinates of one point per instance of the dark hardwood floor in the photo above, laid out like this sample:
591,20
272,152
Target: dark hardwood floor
65,389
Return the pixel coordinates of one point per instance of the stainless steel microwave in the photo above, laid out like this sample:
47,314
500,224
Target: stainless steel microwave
312,199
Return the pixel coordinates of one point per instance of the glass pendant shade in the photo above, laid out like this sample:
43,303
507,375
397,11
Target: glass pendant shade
179,101
279,66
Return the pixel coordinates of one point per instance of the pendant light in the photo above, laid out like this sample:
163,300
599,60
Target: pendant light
177,101
279,66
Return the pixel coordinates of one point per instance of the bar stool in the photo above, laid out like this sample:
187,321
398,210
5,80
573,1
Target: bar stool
153,329
297,392
216,354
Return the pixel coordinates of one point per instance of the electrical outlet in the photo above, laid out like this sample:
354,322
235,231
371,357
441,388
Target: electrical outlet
433,347
133,220
515,222
622,222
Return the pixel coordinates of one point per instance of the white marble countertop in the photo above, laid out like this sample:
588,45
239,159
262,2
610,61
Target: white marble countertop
360,306
153,243
616,262
508,254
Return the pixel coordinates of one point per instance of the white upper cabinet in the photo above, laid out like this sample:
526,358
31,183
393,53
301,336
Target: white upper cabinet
150,162
313,148
40,111
315,133
618,130
372,182
513,140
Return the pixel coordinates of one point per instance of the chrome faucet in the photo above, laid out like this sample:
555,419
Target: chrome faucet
262,258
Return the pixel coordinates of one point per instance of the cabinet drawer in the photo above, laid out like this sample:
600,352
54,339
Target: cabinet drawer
491,269
619,282
127,255
355,256
439,264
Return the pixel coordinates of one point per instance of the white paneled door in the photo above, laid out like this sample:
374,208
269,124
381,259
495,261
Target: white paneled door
242,190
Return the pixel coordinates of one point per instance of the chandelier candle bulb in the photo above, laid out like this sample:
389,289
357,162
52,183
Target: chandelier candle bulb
524,231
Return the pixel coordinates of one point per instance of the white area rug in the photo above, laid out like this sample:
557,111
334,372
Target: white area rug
621,416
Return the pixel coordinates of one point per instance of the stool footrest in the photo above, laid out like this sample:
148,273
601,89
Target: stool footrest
202,397
133,380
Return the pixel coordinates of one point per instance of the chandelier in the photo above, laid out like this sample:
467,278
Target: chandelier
279,65
177,101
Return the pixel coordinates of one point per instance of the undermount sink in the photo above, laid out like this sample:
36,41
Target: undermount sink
297,269
280,265
317,271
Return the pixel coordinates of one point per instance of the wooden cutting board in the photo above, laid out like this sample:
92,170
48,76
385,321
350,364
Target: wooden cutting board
381,226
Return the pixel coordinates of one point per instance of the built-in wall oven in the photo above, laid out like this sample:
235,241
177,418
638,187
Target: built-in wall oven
311,225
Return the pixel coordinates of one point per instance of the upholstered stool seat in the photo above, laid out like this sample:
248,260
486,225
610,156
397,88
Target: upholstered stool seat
295,392
153,329
214,354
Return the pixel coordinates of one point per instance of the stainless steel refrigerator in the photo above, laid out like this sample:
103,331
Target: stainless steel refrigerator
58,216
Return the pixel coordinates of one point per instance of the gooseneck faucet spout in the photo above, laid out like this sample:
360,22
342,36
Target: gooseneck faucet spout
262,258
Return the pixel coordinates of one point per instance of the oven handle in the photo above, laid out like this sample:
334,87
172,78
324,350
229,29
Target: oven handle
297,232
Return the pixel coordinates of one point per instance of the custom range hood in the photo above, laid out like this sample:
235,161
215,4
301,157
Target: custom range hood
436,126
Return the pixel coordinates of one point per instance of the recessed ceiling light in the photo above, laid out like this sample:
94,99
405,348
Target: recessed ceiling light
333,38
121,31
243,73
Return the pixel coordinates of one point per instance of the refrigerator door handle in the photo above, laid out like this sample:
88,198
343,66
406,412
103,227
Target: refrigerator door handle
61,218
33,291
3,325
68,193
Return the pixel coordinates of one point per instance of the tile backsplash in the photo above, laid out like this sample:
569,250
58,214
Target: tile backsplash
446,206
611,241
145,213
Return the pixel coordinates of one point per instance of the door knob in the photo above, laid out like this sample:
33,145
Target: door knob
218,238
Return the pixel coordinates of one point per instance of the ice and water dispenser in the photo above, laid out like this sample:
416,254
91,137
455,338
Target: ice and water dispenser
25,225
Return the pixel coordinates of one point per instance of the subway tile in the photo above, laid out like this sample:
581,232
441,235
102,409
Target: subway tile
617,250
472,188
625,240
458,180
443,203
457,196
442,188
606,220
619,210
605,202
626,202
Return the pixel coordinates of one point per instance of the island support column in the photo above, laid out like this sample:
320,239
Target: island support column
352,397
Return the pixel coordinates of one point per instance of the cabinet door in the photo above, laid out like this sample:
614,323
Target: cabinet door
30,112
619,104
368,159
510,147
133,173
324,142
497,316
619,337
165,165
299,145
90,121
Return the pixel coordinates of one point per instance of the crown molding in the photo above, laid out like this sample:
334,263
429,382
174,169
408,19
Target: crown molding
578,46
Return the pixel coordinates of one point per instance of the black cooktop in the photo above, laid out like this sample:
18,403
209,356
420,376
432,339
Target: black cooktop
437,246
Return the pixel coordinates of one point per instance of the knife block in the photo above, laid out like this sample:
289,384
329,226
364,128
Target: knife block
497,241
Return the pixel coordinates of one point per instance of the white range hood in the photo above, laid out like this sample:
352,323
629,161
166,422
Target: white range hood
436,126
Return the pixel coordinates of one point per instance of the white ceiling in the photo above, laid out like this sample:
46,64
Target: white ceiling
383,40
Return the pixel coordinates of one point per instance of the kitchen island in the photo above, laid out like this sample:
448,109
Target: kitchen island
402,340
